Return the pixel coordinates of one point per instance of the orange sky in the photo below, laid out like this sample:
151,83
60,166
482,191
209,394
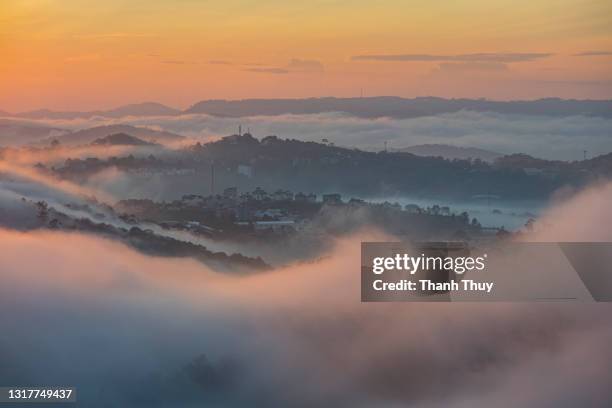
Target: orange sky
77,54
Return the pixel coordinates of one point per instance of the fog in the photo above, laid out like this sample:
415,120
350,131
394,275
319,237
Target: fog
548,137
124,327
130,330
22,187
492,212
586,217
28,176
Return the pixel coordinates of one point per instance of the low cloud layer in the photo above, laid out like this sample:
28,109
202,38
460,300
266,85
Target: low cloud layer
541,136
137,330
586,214
132,330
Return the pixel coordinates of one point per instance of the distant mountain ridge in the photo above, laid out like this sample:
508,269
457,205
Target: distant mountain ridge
451,152
400,108
366,107
16,133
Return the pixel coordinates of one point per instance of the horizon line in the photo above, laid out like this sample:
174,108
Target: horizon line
184,110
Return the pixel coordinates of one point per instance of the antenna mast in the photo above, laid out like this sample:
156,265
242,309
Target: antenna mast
212,178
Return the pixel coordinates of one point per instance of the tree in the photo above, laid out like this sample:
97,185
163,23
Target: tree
475,223
530,224
42,211
502,233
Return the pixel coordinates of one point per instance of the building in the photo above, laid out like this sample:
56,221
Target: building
274,226
305,198
332,198
230,193
192,200
356,202
259,194
412,209
245,170
270,213
282,195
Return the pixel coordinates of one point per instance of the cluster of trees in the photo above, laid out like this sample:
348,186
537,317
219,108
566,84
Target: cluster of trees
75,168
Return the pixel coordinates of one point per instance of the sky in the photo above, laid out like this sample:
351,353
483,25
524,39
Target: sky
83,55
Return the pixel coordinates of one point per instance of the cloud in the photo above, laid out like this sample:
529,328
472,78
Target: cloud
295,65
136,328
594,82
471,66
36,177
116,35
587,208
178,62
593,53
236,63
541,136
84,58
478,57
269,70
302,65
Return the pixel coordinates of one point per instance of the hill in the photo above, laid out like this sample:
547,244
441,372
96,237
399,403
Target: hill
121,139
273,163
87,136
307,166
451,152
396,107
